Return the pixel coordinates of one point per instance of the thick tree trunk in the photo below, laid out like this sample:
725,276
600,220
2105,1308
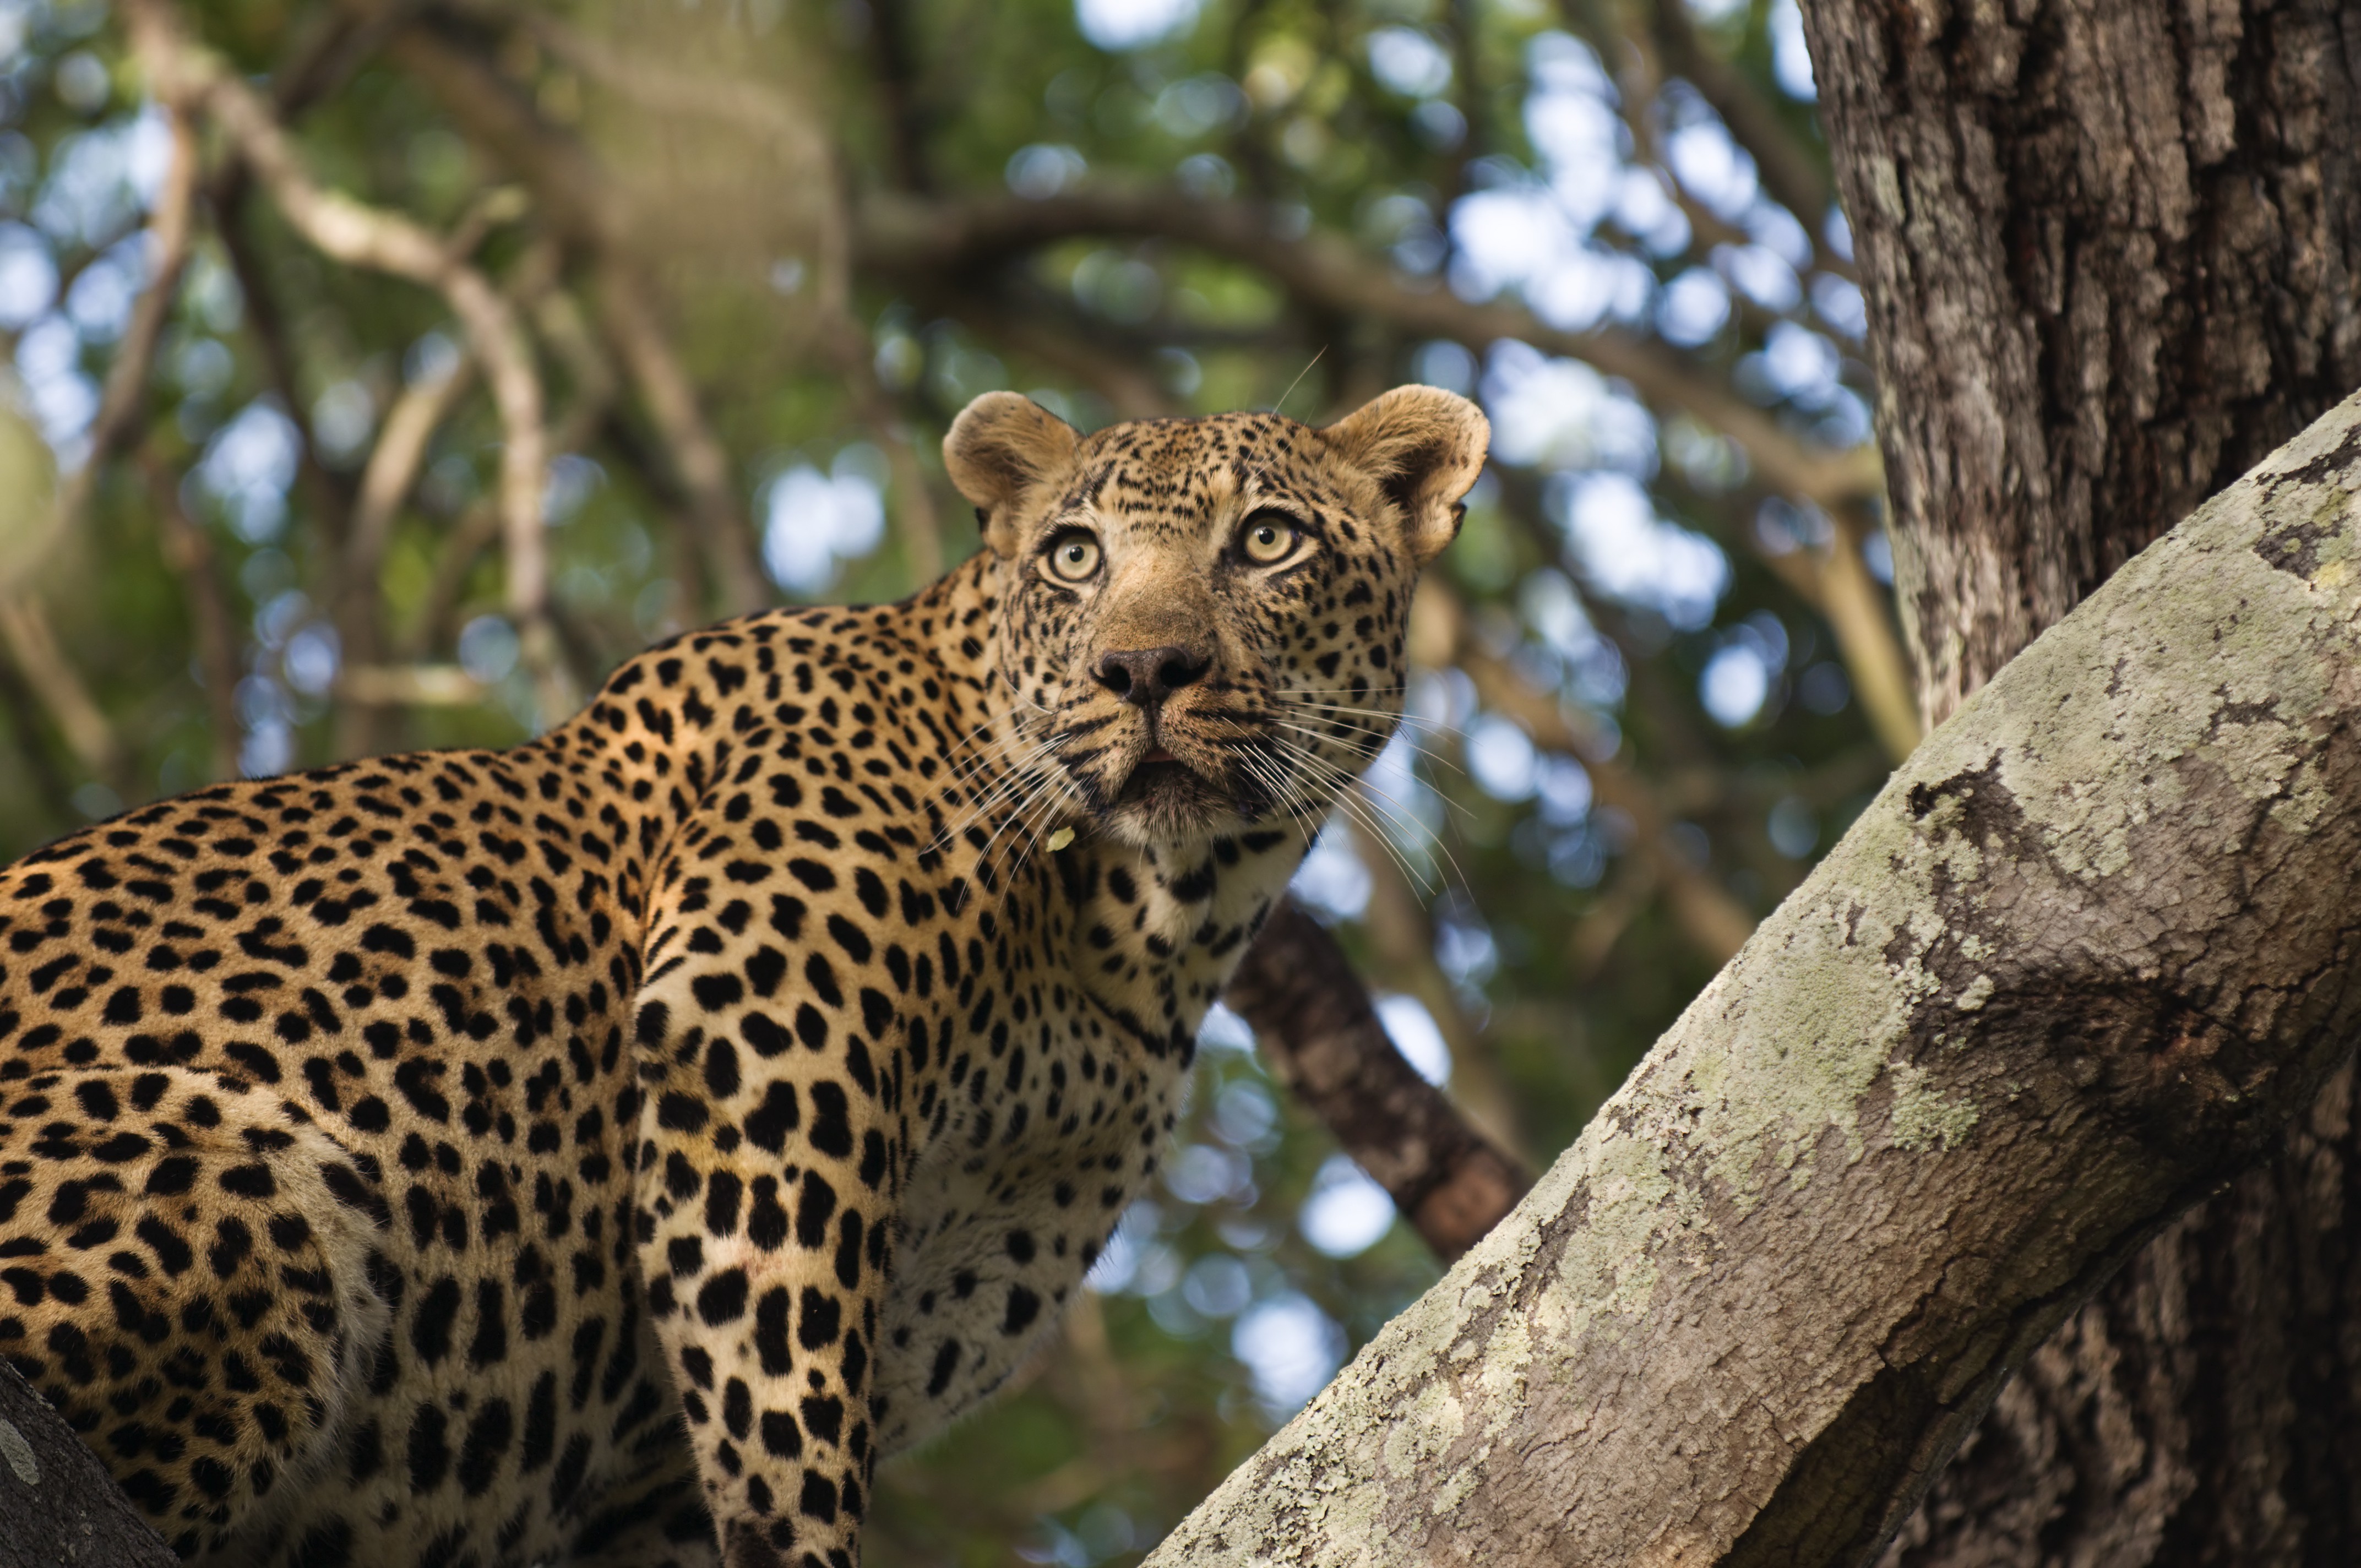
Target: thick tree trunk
2112,256
2205,1407
2084,959
2111,251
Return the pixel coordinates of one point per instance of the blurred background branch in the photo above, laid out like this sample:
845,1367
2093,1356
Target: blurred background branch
379,373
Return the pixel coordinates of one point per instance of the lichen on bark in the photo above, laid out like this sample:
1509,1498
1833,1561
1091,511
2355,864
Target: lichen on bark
2080,960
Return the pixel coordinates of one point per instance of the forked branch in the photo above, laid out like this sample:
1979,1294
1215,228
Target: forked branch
195,81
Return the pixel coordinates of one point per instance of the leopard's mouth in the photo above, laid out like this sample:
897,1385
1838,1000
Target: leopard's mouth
1161,778
1175,789
1166,800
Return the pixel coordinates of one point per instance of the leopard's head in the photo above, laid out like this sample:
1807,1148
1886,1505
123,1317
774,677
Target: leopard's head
1201,620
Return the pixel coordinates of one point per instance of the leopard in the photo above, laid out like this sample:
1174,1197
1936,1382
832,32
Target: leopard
607,1150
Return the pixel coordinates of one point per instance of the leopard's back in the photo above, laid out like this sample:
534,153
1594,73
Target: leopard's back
315,1113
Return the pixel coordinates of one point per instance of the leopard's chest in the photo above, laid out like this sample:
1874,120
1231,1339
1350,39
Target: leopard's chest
1050,1132
1045,1114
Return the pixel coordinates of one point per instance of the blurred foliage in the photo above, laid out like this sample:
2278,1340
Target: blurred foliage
1550,884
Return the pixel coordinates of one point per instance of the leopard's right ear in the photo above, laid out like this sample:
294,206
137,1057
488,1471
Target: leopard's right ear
1003,446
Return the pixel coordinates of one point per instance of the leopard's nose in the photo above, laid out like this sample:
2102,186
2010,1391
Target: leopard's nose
1144,677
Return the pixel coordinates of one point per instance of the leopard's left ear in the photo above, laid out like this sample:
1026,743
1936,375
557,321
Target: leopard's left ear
1424,446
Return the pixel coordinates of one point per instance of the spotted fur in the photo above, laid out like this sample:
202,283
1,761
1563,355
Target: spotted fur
604,1150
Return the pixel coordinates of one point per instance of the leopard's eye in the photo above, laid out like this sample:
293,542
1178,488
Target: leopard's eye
1269,538
1074,558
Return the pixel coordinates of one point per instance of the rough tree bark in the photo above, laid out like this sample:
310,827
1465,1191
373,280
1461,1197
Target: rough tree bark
2084,959
2111,251
59,1508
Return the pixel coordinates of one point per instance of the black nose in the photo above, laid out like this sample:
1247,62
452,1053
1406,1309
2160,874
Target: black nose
1146,676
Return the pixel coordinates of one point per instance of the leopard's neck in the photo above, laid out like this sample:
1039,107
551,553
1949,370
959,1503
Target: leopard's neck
1159,930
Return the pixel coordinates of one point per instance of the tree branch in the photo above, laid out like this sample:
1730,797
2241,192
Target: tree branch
1795,179
1716,924
338,44
347,231
134,357
407,684
476,530
1592,941
581,201
1401,937
629,317
592,211
1833,580
328,493
1129,390
50,785
410,685
577,184
25,620
190,553
1322,1038
33,644
912,508
386,480
58,1508
1858,611
908,123
1640,82
2081,961
915,241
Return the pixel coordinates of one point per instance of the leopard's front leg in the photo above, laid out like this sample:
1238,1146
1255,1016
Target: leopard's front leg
770,1163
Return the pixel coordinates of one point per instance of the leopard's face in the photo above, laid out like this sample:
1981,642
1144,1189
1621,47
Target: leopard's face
1203,620
1207,633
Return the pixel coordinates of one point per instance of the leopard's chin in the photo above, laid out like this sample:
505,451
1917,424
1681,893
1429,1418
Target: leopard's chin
1165,800
1160,777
